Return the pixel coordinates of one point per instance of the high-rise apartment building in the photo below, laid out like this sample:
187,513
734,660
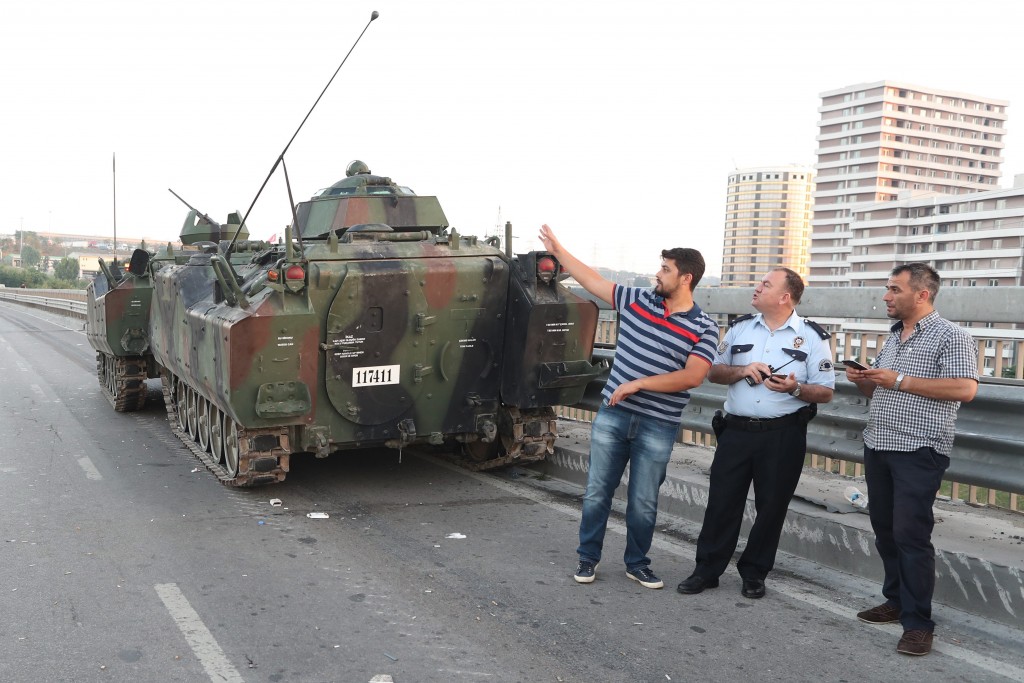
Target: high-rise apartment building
972,240
767,223
876,139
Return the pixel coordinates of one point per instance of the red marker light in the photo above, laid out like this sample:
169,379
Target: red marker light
272,276
295,273
546,269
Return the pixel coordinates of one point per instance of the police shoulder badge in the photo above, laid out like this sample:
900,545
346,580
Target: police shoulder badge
825,365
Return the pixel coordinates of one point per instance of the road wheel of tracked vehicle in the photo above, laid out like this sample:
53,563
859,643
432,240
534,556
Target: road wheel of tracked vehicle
203,422
193,413
181,401
111,376
216,434
231,447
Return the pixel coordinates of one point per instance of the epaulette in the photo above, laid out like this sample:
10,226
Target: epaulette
743,318
817,328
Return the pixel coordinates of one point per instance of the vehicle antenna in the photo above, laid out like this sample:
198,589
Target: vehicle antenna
114,169
280,158
198,212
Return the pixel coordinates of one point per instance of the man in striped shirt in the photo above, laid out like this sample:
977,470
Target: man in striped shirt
927,367
665,347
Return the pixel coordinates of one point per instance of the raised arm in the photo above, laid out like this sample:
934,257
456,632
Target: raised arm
585,275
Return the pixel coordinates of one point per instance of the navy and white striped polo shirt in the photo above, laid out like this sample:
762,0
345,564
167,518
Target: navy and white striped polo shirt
653,343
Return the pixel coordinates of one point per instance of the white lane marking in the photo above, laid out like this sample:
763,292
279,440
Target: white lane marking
964,655
981,661
90,470
199,638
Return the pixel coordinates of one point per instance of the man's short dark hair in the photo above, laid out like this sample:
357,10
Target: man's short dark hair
794,284
922,276
688,262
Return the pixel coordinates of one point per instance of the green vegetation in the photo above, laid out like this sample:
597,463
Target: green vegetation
30,257
66,269
35,279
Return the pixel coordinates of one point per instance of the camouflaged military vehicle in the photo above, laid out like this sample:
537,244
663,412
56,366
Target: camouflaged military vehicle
372,324
119,304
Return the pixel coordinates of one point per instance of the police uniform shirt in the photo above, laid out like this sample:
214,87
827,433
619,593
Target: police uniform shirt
750,340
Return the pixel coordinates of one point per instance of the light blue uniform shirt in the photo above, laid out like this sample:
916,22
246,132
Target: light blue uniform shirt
751,340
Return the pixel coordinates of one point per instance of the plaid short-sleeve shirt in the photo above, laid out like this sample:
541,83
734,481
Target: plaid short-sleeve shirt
900,421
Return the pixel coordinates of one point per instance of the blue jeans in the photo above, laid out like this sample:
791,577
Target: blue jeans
901,492
619,437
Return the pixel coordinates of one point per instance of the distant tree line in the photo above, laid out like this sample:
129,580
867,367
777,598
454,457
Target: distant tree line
65,276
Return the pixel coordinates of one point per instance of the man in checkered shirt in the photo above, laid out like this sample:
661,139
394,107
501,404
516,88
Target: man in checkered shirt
927,367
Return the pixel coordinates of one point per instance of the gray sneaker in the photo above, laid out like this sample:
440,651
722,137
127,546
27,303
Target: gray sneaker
645,577
585,572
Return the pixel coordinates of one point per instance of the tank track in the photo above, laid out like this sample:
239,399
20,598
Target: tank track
123,380
527,435
263,454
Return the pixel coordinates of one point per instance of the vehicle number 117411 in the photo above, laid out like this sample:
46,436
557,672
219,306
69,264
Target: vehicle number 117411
375,376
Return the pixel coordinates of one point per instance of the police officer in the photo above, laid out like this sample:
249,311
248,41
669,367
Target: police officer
778,367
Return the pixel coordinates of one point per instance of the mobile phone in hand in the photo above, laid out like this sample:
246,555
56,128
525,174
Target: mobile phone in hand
854,364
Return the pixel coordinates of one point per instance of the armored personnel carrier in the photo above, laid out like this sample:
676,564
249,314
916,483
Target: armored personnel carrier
372,324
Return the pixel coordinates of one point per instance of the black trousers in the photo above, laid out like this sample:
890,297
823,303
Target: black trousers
901,492
773,461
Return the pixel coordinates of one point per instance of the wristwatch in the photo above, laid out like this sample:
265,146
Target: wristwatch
898,382
796,392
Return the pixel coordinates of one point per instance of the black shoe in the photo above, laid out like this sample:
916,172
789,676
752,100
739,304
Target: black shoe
645,577
753,588
696,584
585,572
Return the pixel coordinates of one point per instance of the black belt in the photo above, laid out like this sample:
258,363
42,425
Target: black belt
761,424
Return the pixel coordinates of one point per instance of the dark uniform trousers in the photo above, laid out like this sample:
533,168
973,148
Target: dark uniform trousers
773,459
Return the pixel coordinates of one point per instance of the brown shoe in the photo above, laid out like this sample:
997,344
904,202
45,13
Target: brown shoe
915,642
883,614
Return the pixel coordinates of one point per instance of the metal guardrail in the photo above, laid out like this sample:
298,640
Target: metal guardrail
71,307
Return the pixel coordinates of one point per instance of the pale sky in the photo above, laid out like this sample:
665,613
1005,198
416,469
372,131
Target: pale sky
616,123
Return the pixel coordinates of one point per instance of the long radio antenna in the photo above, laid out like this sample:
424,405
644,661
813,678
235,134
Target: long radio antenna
280,158
114,169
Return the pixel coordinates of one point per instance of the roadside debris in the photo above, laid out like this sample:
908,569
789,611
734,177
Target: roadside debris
856,498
